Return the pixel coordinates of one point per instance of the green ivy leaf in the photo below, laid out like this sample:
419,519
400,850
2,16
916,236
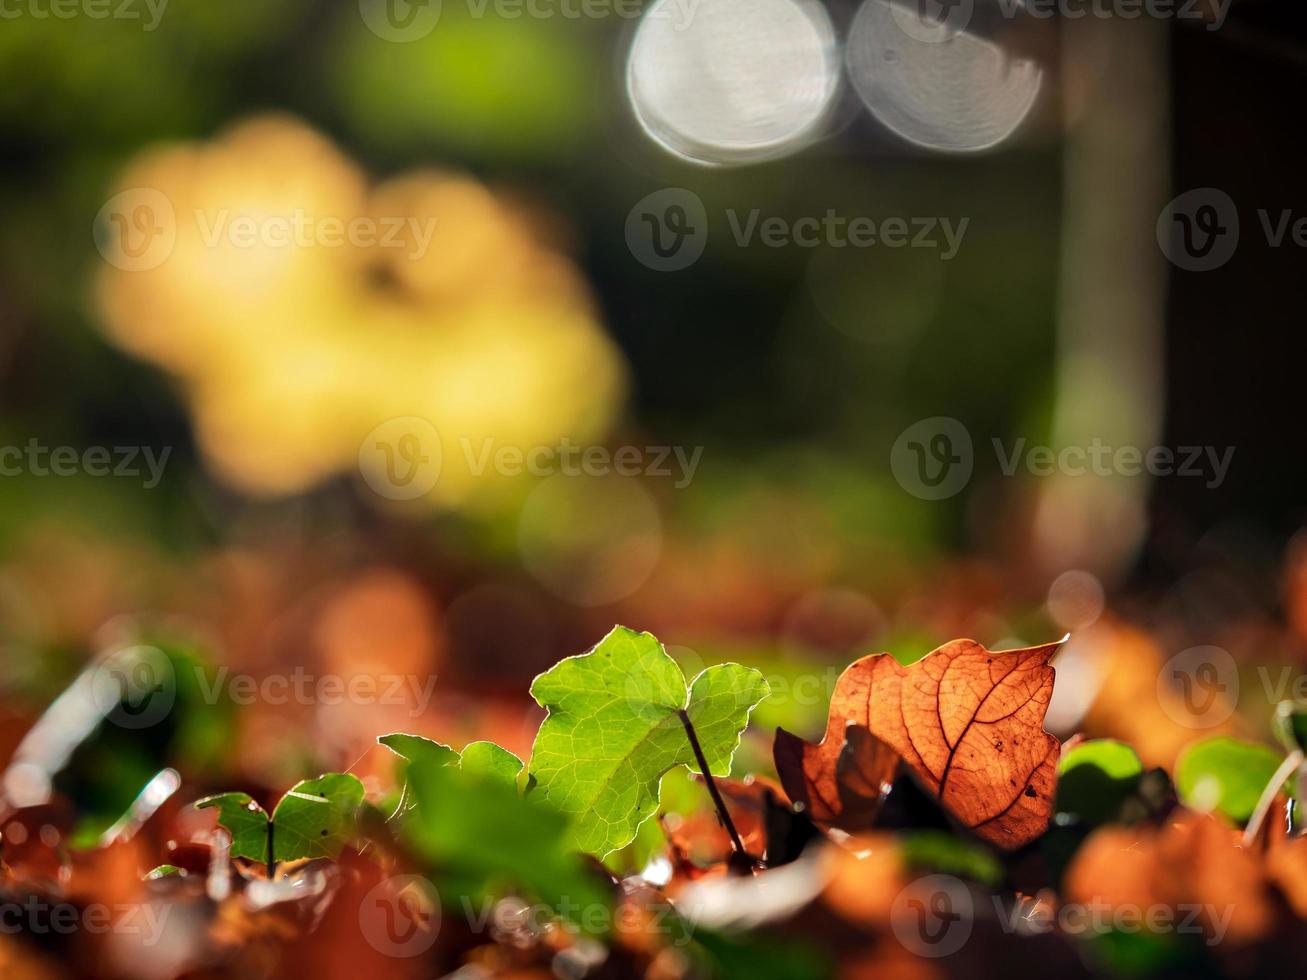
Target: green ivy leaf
415,747
165,871
484,757
485,839
316,818
491,760
614,727
1096,778
245,820
1226,775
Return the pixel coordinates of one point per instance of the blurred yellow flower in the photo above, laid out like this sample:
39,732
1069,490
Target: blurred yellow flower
304,311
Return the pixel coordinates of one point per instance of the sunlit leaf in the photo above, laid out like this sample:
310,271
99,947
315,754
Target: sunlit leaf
415,747
1225,775
1096,778
491,760
616,723
245,820
968,722
486,838
316,818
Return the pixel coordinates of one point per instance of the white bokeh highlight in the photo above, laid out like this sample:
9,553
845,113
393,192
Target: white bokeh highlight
934,84
726,82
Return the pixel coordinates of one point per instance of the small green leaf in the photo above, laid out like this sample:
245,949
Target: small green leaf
415,747
491,760
165,871
485,838
1096,778
1225,775
316,817
614,728
245,820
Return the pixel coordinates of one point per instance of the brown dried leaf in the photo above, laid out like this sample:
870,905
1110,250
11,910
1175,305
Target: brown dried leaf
841,781
968,722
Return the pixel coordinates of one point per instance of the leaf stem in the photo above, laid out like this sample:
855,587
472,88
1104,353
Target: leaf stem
403,798
1291,762
722,813
272,864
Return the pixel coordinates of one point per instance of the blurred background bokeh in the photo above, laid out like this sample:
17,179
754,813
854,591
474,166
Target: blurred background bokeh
509,155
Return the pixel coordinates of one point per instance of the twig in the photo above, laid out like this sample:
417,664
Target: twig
1287,768
712,787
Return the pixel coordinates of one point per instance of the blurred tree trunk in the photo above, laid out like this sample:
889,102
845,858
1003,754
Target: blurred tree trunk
1112,286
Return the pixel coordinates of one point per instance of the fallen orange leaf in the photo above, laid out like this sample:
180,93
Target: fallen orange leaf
842,781
967,721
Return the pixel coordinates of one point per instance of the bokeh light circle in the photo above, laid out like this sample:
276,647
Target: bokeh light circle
1075,600
732,81
934,85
